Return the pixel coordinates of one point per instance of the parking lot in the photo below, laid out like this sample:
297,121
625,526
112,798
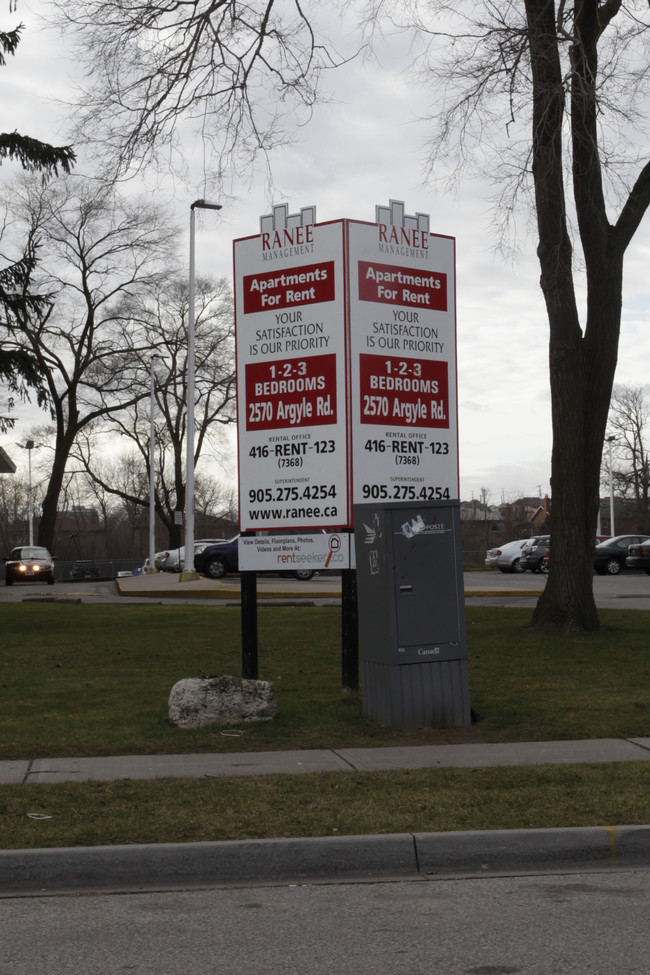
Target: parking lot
629,590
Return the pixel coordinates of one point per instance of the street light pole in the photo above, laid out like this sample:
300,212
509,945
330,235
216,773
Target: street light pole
29,446
152,465
189,574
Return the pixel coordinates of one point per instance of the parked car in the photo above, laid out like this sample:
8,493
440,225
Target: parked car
638,556
173,560
547,554
506,557
611,556
85,569
533,552
216,561
29,563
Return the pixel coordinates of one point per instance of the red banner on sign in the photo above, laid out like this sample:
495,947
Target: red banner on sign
289,288
403,392
393,285
291,393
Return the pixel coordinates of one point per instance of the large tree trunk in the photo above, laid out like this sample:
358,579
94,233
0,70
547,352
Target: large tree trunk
47,526
568,598
581,384
567,601
582,366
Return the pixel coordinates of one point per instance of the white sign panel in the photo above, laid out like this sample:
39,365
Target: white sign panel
403,359
291,374
282,553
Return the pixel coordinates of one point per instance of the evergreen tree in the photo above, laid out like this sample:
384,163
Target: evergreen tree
18,369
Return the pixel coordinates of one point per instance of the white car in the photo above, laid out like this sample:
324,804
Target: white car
507,556
173,560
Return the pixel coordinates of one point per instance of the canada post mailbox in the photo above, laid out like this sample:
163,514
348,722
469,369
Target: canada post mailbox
412,637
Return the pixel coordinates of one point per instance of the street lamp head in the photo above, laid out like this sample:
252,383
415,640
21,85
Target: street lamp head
204,205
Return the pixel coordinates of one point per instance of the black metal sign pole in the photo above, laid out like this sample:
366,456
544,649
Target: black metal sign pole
249,625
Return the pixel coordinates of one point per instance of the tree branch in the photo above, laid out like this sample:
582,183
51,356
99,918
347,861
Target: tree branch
633,212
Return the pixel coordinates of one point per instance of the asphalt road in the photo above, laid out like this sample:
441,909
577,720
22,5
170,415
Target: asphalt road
588,922
630,590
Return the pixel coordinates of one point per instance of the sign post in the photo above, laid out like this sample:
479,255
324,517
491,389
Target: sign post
346,385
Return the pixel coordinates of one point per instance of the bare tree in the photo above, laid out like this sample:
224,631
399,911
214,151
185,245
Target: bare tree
120,478
163,321
235,72
628,426
98,250
14,503
217,508
546,97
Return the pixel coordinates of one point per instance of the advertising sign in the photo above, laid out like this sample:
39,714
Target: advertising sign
346,367
291,373
402,359
281,553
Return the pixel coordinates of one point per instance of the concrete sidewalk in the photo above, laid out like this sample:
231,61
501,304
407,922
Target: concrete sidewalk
346,859
51,770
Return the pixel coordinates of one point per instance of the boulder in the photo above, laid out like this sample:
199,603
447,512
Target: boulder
198,701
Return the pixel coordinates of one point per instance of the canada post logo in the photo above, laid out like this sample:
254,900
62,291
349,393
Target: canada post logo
418,526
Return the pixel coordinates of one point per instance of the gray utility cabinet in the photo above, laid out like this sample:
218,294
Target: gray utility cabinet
412,637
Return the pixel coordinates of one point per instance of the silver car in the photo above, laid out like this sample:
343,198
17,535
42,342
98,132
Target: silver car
173,560
506,557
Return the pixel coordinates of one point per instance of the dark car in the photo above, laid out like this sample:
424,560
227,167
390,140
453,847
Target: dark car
29,563
611,556
638,556
216,561
547,556
84,569
532,554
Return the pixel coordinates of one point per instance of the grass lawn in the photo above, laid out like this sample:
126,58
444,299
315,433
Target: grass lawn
323,804
94,680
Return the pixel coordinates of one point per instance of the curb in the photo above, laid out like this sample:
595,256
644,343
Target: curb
226,594
293,595
344,859
507,593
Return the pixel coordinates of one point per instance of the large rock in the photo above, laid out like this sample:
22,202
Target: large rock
198,701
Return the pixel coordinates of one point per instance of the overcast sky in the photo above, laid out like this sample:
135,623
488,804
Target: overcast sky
360,150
